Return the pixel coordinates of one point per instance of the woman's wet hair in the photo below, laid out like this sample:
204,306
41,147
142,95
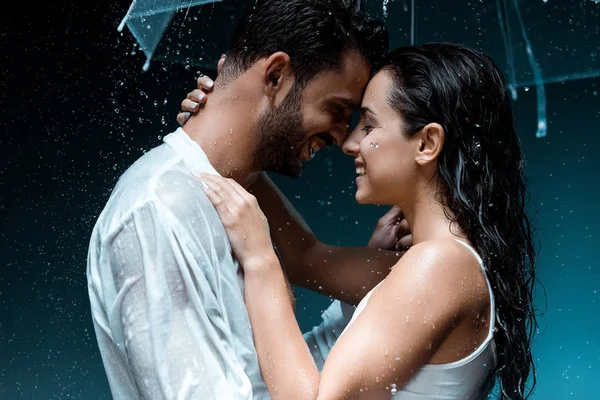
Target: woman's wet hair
480,182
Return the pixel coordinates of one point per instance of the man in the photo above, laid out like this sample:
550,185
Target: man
166,295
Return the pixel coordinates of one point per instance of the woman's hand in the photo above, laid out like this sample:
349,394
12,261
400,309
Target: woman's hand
197,98
392,232
246,225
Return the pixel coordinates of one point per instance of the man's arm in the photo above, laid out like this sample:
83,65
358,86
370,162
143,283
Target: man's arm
176,346
345,273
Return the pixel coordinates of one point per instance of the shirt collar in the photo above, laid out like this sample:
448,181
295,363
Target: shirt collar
193,156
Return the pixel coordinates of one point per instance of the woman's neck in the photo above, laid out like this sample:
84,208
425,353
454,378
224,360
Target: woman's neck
428,220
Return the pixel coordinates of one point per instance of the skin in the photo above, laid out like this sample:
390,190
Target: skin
416,316
231,142
336,271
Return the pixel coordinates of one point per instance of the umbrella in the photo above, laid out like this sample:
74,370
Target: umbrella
148,19
535,42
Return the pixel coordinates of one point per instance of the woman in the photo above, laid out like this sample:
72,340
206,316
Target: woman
455,314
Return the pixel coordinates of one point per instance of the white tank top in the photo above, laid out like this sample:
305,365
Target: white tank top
462,379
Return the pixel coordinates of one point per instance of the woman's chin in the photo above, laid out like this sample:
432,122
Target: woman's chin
362,197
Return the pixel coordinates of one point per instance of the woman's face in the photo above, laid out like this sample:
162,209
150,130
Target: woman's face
384,156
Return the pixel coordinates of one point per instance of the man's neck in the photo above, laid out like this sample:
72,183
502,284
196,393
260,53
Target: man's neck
224,128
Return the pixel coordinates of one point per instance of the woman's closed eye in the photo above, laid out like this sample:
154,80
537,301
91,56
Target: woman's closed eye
367,128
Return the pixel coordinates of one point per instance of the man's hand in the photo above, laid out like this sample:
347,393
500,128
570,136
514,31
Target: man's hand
391,232
197,98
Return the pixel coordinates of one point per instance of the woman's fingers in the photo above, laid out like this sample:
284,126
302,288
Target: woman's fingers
404,242
218,197
205,83
197,95
190,106
182,118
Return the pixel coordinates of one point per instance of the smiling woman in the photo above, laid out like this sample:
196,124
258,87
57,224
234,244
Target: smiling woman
445,322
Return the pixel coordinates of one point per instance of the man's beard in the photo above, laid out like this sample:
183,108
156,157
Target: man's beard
280,133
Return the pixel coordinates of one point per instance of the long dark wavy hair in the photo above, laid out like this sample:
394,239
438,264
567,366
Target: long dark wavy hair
481,183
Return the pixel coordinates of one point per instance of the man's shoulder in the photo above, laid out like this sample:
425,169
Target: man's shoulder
136,187
181,193
172,191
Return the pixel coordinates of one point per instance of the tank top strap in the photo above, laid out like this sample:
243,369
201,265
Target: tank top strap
484,269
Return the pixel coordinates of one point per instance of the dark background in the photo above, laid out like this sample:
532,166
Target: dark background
76,110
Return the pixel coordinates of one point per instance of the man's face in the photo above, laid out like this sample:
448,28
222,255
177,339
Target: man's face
315,118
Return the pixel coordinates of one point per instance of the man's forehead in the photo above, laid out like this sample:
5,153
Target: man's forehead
345,84
346,100
346,89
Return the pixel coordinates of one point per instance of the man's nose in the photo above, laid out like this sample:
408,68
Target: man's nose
340,134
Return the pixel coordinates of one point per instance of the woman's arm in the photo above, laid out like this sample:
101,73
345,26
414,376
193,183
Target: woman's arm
345,273
285,360
286,363
405,321
402,326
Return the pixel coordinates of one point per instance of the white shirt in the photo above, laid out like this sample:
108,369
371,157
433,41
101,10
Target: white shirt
167,297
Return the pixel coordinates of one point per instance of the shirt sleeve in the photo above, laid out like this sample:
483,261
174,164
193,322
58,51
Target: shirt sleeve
177,346
321,338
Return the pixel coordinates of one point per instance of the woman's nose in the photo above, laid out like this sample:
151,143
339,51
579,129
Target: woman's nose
351,145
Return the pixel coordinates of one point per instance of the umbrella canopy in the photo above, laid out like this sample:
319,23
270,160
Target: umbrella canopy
148,19
534,42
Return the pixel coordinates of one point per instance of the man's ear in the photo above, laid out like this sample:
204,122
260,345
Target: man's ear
278,76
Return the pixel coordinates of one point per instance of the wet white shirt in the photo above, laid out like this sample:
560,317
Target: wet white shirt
166,295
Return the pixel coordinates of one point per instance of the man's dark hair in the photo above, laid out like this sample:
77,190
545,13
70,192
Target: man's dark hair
314,33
